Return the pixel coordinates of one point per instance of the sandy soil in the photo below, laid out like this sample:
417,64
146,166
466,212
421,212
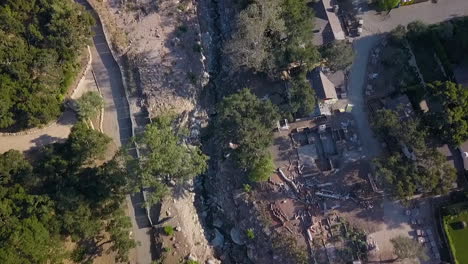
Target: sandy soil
189,239
164,48
55,133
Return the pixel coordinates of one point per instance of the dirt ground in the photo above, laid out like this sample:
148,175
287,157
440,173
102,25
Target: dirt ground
163,49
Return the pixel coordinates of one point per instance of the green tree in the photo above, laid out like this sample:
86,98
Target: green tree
407,248
251,45
166,157
119,230
273,35
451,123
89,105
41,41
302,96
247,121
387,5
262,169
298,47
339,55
85,144
27,234
14,168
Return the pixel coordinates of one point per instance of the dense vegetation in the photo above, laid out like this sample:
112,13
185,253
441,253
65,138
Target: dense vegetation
246,123
166,158
421,169
89,105
273,35
407,248
63,194
338,55
450,123
447,119
41,41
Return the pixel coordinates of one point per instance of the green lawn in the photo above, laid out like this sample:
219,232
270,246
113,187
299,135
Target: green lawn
458,239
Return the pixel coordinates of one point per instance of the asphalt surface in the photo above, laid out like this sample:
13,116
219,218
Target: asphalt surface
117,124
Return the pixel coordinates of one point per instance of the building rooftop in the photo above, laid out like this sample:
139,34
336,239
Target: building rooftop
322,30
323,86
334,21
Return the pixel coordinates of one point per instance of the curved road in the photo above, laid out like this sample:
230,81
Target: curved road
117,124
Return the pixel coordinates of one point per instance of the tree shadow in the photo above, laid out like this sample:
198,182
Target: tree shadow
45,140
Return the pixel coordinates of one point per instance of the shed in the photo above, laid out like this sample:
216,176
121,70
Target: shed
463,148
323,86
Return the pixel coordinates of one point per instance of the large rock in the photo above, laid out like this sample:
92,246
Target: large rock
218,240
236,236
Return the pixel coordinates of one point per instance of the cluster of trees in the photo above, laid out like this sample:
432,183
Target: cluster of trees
272,35
412,166
406,248
41,41
63,194
450,123
245,123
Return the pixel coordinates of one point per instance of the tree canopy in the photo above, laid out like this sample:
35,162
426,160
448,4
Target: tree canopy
41,41
302,96
246,121
451,122
387,5
407,248
89,105
166,157
63,194
339,55
271,35
421,169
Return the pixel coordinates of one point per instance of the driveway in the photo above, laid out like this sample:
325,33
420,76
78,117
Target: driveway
117,124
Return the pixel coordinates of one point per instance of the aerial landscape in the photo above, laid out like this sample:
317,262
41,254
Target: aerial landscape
233,131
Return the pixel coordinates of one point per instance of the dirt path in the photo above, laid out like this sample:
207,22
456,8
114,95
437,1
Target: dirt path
57,132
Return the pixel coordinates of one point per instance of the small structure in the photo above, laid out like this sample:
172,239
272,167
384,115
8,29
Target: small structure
282,125
463,148
333,19
423,106
324,87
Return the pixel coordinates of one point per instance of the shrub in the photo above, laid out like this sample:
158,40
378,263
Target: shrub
247,188
250,233
168,230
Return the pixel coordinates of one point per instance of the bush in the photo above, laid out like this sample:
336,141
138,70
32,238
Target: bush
250,233
168,230
89,105
247,188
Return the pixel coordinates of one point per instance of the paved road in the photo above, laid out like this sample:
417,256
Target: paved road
117,124
362,47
